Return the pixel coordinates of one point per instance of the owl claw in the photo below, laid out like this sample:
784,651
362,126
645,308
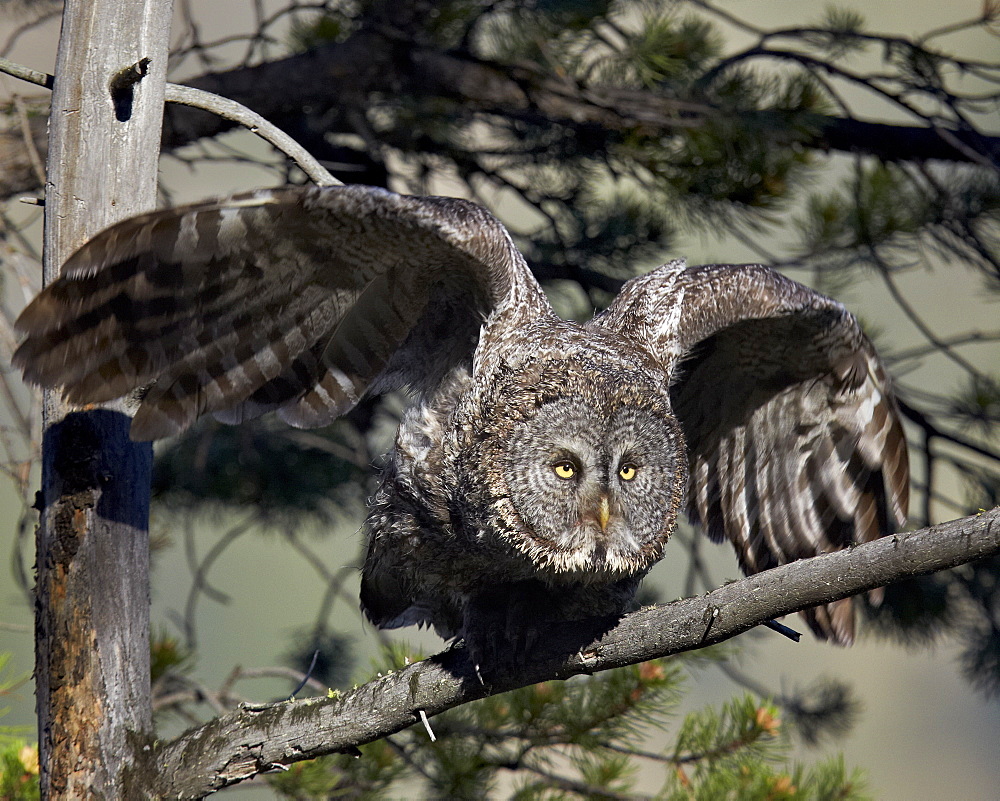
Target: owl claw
503,626
493,657
500,628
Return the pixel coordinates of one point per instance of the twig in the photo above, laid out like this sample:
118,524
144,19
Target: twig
191,556
784,630
306,677
196,692
198,583
408,758
281,672
957,27
30,25
916,416
921,351
237,112
582,789
427,725
29,141
26,73
216,104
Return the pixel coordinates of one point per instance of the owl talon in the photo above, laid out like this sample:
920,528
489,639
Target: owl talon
492,657
501,627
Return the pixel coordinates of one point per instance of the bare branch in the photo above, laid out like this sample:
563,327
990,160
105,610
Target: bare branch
26,73
207,101
255,123
254,739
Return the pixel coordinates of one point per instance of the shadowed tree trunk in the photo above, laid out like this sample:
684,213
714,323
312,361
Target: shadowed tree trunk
92,594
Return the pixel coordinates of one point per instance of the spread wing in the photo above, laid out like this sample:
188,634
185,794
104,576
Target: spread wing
794,439
295,299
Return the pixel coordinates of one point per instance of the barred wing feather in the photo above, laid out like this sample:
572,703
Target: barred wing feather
296,299
794,439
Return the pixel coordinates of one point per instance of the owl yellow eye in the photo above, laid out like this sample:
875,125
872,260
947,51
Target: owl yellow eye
626,472
564,469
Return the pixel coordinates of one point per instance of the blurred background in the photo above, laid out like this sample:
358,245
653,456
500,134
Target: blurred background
853,146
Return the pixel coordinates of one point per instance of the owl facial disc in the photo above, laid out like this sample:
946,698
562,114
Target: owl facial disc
594,477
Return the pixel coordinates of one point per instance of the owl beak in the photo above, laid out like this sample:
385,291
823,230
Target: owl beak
603,513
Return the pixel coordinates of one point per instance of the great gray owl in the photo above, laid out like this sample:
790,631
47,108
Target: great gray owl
539,472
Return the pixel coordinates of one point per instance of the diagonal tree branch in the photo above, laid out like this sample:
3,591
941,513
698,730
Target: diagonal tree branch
256,739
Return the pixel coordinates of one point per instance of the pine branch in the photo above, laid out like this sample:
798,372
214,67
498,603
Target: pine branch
258,738
366,63
343,76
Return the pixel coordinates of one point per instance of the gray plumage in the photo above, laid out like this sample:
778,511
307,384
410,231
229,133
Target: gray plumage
539,472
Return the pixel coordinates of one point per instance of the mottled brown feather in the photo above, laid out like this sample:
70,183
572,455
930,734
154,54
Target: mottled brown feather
302,300
793,435
295,298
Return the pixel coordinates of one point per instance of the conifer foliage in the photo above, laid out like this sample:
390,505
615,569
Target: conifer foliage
606,134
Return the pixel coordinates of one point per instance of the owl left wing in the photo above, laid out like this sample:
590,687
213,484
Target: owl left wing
794,439
299,299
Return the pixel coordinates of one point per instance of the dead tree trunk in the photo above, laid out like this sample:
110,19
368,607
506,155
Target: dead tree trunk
92,595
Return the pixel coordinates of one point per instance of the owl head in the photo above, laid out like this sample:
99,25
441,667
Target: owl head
586,468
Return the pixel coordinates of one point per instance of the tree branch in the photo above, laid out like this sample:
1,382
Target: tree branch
223,107
256,739
255,123
335,75
344,76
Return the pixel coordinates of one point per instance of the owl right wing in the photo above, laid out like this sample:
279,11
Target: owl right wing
794,441
298,300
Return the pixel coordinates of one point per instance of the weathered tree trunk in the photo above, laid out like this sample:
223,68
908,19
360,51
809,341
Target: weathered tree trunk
92,595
